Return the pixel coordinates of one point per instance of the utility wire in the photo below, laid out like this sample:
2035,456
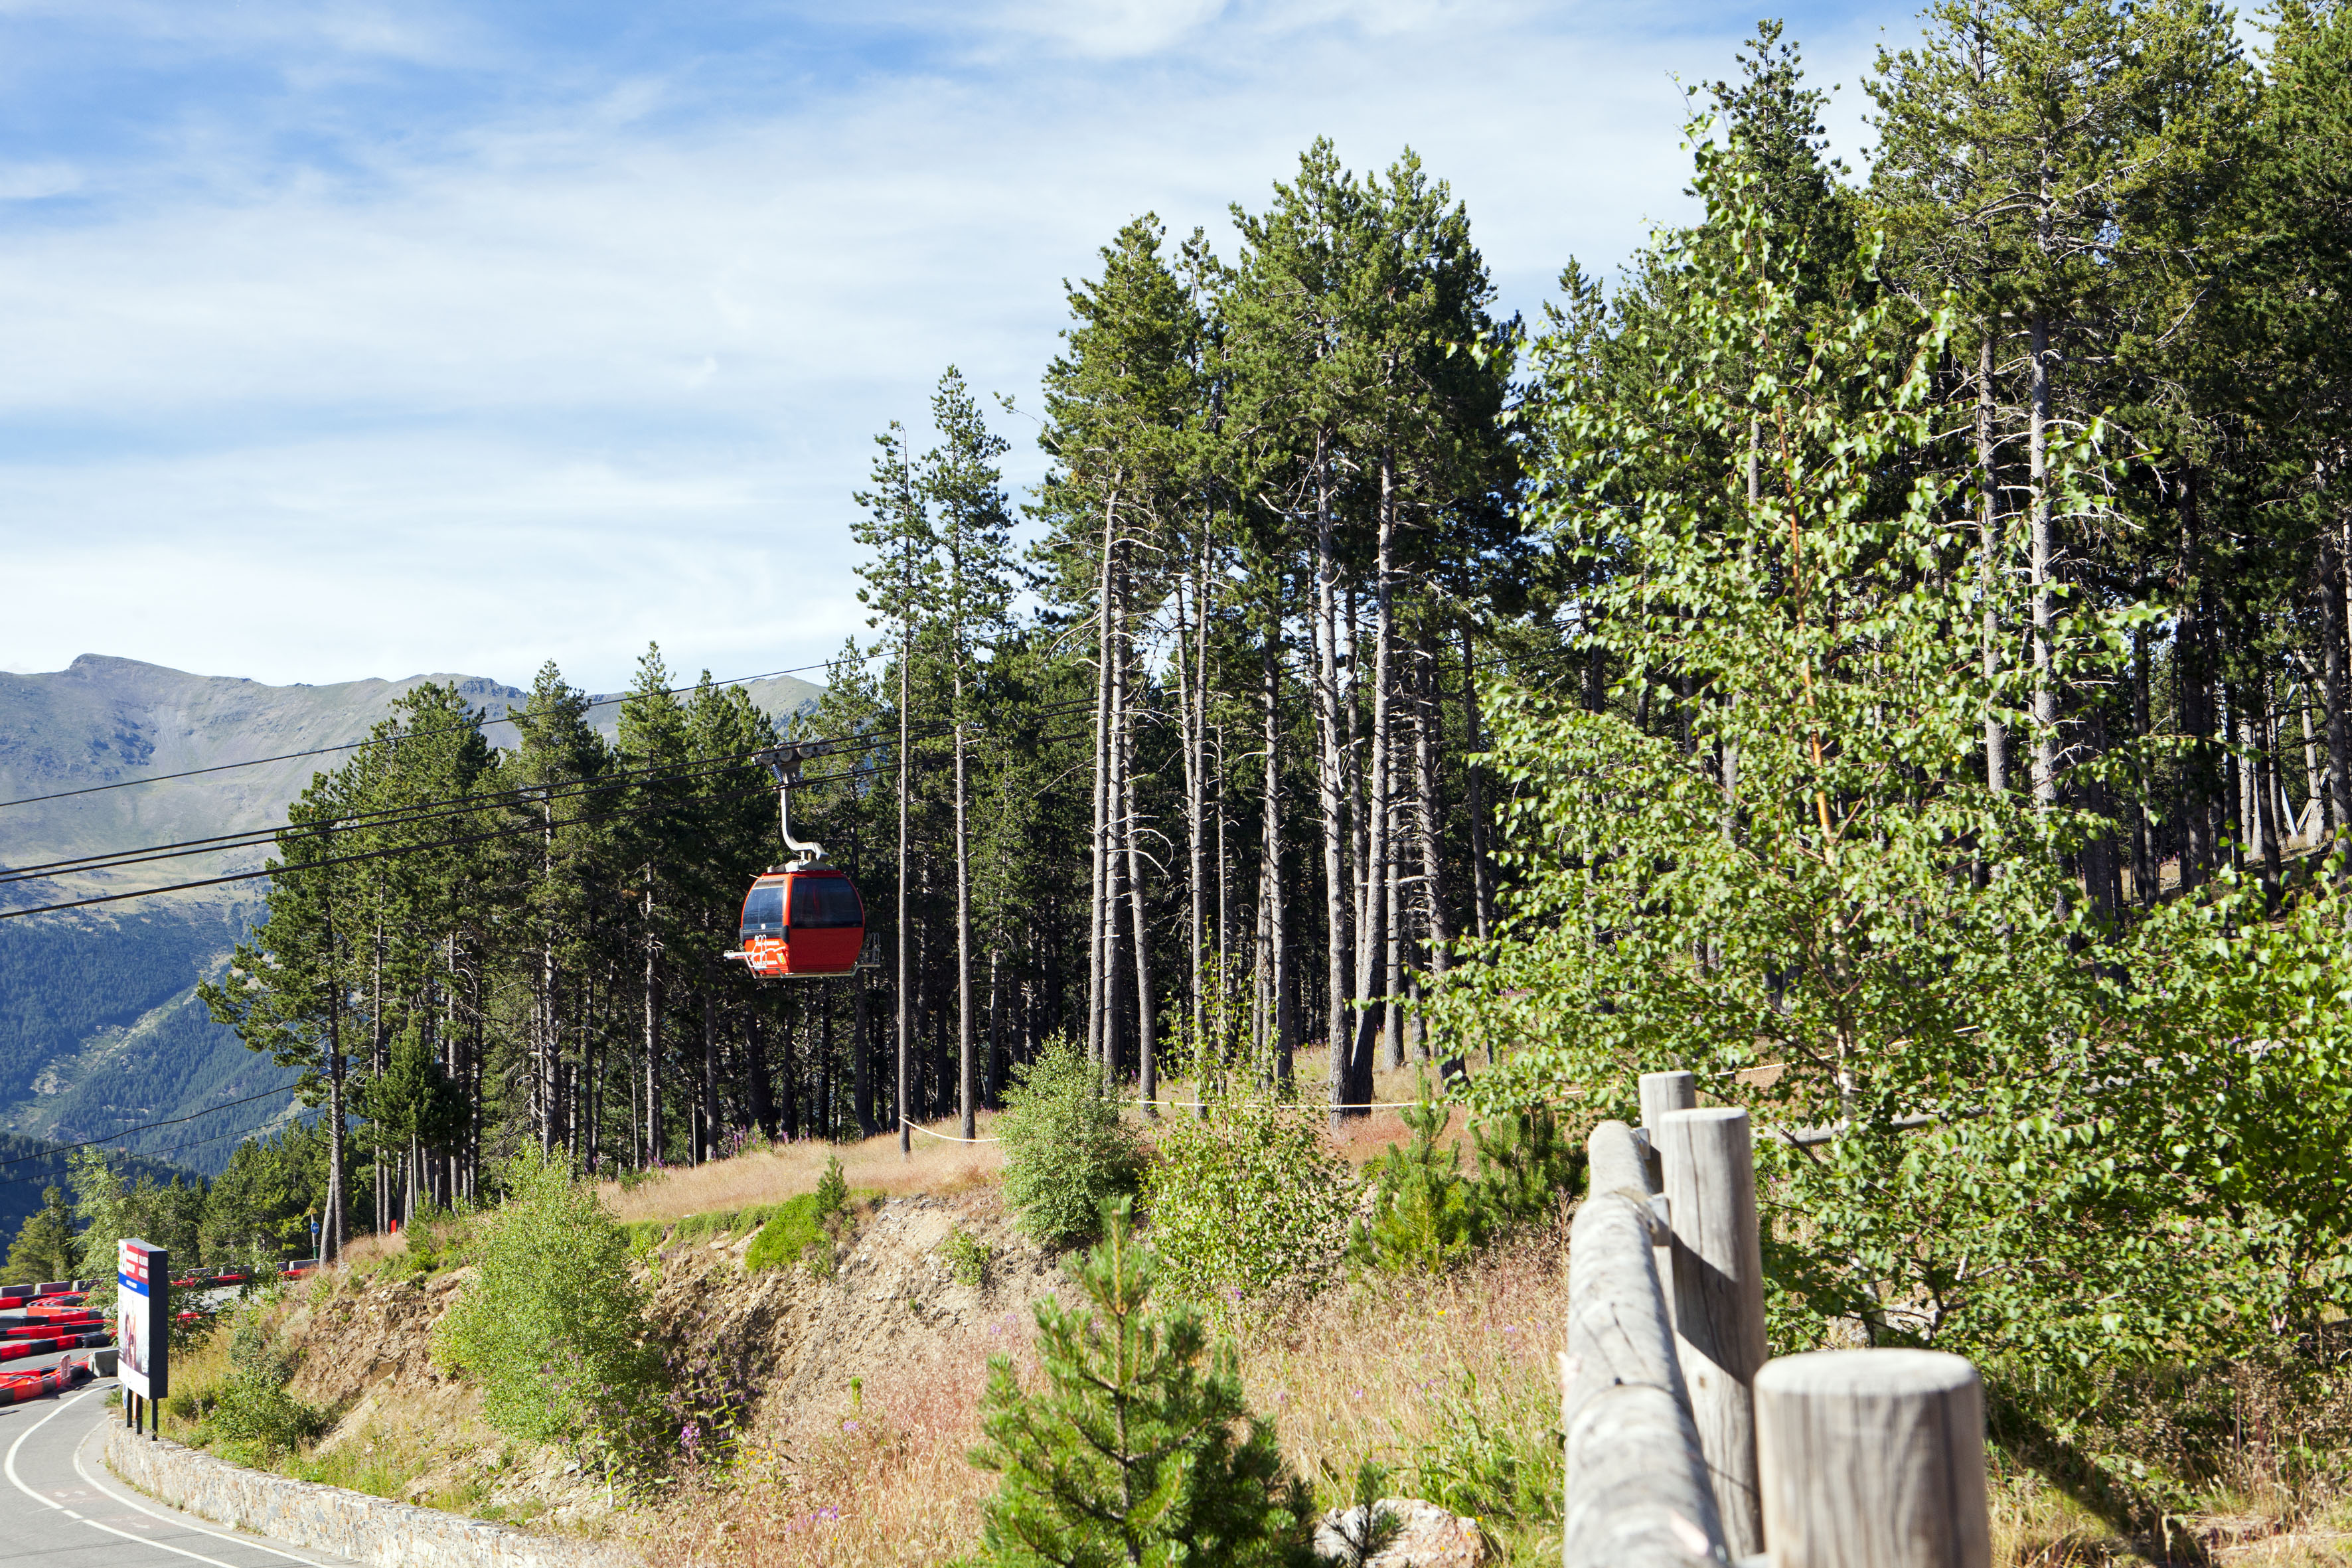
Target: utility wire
457,806
506,718
158,1154
175,1121
391,817
397,850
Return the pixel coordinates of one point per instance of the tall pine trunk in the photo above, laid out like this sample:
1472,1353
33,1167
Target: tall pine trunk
905,997
1146,1043
1429,812
654,1147
2332,591
1372,964
2045,683
1482,871
1284,1024
968,1067
1098,889
1331,788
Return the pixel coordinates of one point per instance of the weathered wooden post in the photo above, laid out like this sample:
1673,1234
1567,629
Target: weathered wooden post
1873,1460
1636,1489
1661,1092
1719,1297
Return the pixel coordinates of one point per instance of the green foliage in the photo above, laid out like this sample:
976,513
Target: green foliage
2129,1152
787,1236
45,1248
1493,1456
1428,1215
1066,1150
1138,1448
1423,1217
1525,1167
1365,1529
812,1229
260,1207
1249,1200
111,1208
250,1408
552,1328
412,1099
967,1257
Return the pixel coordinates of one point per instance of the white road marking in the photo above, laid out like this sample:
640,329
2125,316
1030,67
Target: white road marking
181,1520
19,1482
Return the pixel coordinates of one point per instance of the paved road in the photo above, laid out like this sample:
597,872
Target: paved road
61,1507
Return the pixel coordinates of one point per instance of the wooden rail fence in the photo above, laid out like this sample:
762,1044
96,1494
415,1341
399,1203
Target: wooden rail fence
1684,1445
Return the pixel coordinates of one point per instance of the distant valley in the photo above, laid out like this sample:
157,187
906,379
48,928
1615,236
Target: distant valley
100,1024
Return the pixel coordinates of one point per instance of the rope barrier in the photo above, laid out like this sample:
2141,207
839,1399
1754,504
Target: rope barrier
944,1138
1284,1105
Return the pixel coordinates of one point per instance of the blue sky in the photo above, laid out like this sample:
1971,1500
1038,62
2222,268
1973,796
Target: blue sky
347,339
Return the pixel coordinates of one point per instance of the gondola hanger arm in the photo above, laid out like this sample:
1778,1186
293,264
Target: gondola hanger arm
783,763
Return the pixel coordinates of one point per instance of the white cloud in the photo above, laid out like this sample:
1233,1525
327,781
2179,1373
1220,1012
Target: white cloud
558,381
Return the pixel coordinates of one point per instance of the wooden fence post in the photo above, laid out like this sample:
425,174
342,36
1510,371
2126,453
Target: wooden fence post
1661,1092
1636,1489
1873,1460
1718,1298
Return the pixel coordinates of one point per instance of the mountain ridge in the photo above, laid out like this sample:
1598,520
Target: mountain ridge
100,1029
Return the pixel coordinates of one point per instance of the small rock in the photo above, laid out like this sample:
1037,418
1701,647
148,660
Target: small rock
1431,1537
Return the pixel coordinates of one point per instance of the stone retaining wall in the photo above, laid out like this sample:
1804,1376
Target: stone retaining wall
346,1523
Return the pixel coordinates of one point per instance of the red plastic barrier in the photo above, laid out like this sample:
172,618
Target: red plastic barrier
56,1307
43,1330
17,1350
17,1387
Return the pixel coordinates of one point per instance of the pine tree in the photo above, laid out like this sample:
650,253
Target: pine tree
45,1248
1138,1450
972,593
1124,405
897,529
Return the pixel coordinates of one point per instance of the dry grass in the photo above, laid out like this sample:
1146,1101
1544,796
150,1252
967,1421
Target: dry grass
880,1480
782,1171
936,1165
1430,1378
1350,1375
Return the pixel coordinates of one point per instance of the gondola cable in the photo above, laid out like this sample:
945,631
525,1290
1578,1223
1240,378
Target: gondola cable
434,810
396,850
507,718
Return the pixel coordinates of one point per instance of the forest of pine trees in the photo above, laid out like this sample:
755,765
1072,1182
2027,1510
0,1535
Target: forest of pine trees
1196,778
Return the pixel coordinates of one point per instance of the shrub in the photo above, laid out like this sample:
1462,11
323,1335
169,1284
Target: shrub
552,1326
1244,1202
1139,1448
1424,1215
810,1229
967,1256
1066,1148
1427,1215
1480,1460
250,1407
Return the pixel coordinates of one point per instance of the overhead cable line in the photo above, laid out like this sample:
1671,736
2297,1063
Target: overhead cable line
148,1127
391,817
158,1154
398,851
417,812
506,718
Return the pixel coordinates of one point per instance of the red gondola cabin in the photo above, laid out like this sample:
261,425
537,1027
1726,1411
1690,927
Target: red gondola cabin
801,922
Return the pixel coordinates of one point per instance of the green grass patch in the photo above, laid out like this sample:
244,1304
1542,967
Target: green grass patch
777,1224
792,1230
644,1235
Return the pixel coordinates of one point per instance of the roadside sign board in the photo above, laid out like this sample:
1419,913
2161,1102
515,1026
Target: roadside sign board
143,1304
